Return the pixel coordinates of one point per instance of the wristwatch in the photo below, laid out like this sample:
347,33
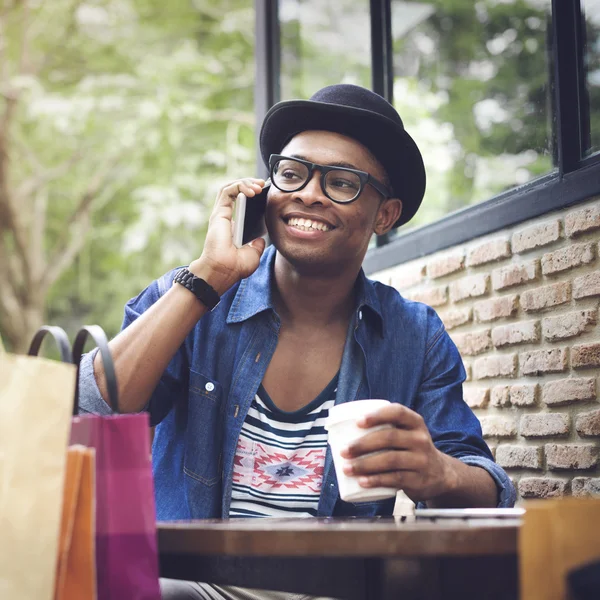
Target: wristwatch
202,290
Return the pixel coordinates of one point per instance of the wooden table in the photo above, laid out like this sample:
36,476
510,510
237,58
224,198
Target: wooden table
353,559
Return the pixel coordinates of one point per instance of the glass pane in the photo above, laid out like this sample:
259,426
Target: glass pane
323,43
591,11
472,87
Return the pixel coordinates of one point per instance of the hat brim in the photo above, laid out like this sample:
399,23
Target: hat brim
386,140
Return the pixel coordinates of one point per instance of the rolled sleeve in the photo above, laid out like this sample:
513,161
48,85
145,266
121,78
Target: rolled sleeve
507,495
172,381
90,398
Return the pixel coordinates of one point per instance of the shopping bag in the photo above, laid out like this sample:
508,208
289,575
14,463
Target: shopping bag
76,568
557,537
35,415
126,546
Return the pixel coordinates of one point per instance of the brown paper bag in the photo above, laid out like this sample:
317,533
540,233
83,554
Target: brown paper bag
76,569
557,536
36,401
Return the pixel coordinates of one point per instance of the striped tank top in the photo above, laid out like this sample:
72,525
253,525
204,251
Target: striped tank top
280,458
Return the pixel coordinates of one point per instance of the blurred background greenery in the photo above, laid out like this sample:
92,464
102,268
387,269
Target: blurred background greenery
120,120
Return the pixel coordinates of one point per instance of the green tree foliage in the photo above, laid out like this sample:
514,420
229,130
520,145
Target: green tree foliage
120,119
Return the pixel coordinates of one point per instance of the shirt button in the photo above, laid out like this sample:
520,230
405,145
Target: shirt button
360,315
210,386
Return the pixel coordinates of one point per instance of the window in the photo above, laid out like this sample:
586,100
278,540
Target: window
471,82
502,96
591,13
323,43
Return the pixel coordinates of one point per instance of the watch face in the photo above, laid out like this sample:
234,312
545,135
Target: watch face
205,293
197,286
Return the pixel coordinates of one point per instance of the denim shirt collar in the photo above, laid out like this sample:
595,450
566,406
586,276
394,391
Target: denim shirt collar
255,295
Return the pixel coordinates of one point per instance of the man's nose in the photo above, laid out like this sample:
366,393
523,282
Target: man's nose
312,192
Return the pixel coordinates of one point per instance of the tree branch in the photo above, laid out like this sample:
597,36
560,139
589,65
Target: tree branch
8,270
45,175
10,311
9,218
74,233
24,149
37,233
64,257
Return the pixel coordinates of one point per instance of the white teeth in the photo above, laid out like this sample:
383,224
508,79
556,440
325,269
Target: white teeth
308,224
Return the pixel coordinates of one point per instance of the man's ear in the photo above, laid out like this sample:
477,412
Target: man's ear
389,212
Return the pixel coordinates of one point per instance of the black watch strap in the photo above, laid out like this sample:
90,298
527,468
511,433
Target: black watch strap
202,290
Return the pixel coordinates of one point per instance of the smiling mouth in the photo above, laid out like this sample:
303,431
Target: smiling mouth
308,224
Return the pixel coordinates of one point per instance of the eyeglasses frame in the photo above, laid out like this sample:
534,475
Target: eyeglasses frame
364,177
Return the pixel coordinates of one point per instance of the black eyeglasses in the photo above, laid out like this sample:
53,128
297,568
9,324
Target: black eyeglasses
339,184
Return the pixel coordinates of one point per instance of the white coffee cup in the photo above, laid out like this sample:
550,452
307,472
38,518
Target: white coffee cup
342,430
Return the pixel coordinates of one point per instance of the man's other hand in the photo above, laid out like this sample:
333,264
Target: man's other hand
406,456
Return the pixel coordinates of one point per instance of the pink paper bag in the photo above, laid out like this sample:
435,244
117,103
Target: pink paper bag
126,545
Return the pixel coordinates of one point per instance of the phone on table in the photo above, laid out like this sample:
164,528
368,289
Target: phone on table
249,217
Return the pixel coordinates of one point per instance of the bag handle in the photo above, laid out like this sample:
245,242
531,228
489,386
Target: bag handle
60,337
97,334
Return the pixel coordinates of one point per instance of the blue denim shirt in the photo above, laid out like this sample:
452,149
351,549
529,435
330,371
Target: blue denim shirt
395,349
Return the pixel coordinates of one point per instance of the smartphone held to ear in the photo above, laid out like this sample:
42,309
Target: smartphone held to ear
249,217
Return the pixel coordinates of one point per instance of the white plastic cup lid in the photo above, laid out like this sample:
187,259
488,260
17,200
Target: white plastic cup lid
351,411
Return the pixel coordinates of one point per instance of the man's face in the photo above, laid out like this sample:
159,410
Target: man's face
336,234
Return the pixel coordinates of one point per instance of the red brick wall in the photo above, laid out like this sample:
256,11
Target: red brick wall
522,307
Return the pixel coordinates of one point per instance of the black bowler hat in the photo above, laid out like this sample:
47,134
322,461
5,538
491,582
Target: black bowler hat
360,114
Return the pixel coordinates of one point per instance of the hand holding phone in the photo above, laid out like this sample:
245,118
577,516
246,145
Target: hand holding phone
248,220
221,263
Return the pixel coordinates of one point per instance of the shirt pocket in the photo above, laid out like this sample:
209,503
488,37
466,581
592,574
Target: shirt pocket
204,433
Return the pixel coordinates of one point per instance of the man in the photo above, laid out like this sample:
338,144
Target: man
239,393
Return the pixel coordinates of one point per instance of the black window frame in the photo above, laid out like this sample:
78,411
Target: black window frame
576,179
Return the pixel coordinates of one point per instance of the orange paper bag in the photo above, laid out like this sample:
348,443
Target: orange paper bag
557,536
76,568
